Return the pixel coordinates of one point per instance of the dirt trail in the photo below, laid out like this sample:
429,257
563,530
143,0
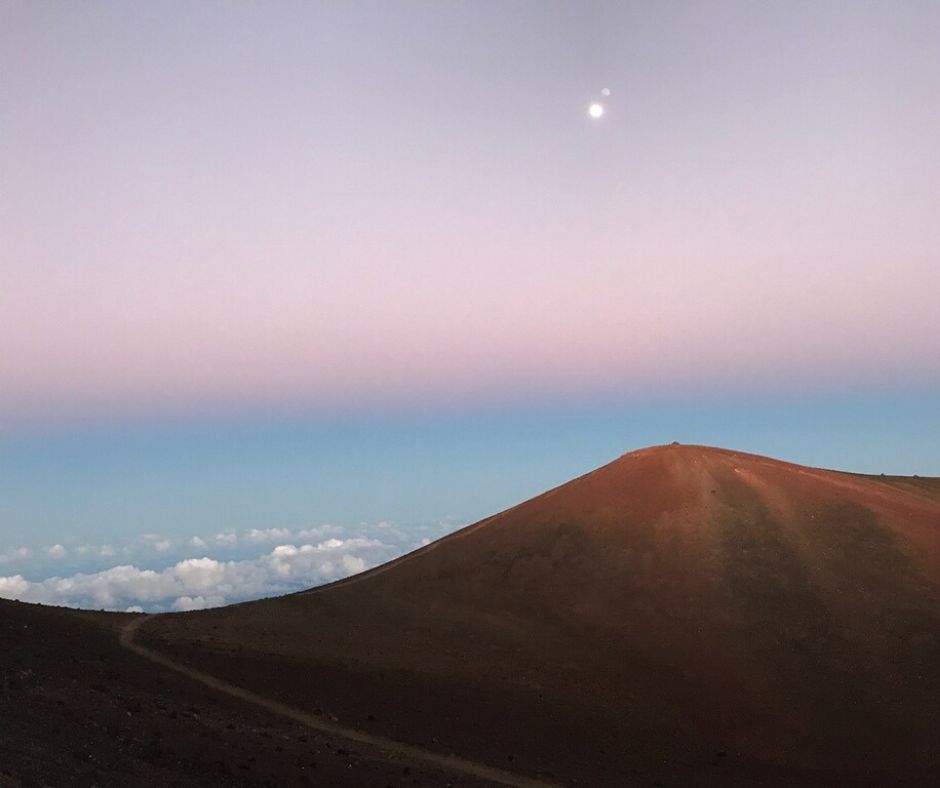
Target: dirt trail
448,762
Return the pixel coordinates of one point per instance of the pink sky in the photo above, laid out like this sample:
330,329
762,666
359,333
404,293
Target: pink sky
398,204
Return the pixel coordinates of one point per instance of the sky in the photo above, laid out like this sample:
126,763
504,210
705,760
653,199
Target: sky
288,275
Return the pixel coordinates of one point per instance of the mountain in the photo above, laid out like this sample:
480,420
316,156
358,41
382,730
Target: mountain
683,616
683,613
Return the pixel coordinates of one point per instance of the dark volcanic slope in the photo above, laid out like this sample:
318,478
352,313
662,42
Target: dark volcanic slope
79,711
679,611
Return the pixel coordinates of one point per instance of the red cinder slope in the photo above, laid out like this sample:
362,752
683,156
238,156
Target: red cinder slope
678,603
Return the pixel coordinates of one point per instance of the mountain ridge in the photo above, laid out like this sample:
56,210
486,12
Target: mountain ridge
915,485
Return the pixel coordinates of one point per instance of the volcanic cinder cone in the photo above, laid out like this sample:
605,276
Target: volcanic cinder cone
680,607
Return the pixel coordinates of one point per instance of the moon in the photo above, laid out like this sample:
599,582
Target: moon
596,111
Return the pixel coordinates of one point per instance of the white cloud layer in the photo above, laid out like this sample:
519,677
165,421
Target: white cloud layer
159,543
190,579
101,550
205,582
14,554
257,536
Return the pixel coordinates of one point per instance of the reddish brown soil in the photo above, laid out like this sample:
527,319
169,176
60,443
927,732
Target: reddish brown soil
683,616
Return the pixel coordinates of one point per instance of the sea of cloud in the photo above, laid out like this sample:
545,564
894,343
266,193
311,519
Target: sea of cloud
210,570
